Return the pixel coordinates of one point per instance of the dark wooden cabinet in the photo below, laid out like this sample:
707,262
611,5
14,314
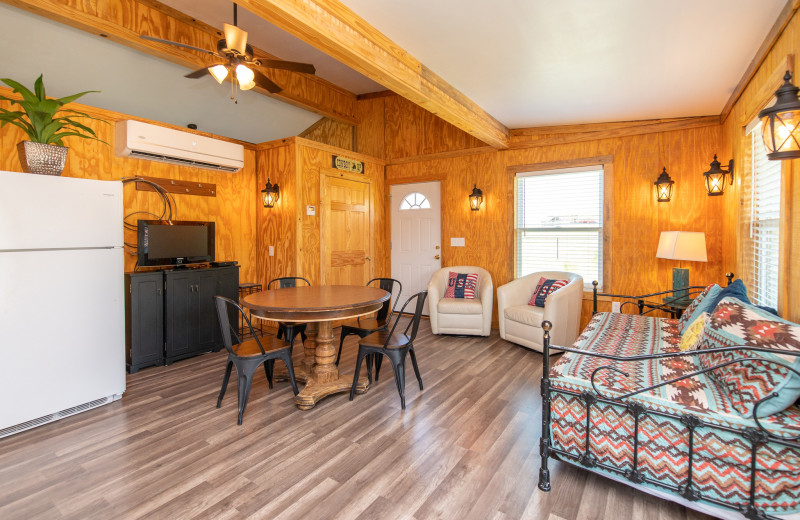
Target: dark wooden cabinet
187,315
144,320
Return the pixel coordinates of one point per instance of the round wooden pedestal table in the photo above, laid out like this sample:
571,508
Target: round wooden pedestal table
318,306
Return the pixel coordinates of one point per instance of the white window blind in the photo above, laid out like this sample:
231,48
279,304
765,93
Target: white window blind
559,222
762,207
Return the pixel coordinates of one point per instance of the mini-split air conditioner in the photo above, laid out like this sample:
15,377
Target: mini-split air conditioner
157,143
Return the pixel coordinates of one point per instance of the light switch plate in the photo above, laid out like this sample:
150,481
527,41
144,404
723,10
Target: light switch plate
271,250
311,210
457,242
615,307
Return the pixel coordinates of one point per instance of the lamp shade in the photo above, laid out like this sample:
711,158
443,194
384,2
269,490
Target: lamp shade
682,245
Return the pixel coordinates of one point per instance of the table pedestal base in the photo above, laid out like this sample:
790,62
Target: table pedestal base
317,369
314,391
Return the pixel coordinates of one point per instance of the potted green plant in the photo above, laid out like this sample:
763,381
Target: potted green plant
47,123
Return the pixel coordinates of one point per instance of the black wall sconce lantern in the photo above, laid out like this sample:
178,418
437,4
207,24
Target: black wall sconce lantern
664,186
475,198
270,194
780,122
715,177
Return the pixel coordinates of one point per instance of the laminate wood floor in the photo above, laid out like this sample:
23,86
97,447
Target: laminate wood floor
465,447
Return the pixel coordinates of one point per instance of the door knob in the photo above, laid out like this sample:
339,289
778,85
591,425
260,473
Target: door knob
436,257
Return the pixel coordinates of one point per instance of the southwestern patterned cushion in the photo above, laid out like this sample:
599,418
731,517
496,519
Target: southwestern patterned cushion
545,288
461,285
734,322
721,463
702,303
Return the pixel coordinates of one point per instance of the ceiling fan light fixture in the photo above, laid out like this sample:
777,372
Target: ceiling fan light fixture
245,77
220,72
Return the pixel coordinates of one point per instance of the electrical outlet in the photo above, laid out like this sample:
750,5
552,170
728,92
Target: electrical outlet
615,307
271,251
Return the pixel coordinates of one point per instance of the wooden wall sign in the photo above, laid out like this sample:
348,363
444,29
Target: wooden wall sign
348,165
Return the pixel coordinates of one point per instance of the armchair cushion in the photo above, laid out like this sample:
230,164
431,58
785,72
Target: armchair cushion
524,314
461,285
544,289
459,306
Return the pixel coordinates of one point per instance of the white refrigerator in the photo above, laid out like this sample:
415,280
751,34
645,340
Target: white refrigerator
62,336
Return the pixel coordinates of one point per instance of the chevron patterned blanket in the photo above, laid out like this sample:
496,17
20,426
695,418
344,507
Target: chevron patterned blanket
722,443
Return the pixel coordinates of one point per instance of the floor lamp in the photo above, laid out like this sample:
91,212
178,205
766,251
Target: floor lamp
683,246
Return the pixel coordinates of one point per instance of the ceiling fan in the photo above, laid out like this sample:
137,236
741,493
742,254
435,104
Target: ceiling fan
239,60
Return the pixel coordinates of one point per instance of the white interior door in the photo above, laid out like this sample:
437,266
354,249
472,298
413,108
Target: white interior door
416,235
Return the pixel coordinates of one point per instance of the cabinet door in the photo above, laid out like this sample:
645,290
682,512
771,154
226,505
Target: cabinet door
207,322
144,316
180,314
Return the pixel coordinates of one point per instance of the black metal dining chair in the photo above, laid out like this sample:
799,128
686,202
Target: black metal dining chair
288,329
364,326
246,356
394,346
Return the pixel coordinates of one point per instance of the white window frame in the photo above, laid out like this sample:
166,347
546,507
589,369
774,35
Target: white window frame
762,245
603,231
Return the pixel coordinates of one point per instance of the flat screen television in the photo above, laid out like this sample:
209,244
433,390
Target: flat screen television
176,242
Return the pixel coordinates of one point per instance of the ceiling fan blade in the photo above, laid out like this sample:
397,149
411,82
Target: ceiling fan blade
199,73
266,83
159,40
305,68
235,38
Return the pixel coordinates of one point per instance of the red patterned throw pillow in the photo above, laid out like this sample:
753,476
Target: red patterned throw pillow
545,288
751,376
462,285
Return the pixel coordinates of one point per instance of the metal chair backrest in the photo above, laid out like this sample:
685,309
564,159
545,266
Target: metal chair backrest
388,285
414,323
230,337
287,281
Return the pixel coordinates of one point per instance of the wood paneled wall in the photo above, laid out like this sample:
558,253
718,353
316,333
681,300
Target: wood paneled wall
755,96
331,132
637,218
393,128
297,164
233,212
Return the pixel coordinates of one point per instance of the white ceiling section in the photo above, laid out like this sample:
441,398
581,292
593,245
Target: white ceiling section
546,62
135,83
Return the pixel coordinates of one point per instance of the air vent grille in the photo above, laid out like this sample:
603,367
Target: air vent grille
11,430
183,162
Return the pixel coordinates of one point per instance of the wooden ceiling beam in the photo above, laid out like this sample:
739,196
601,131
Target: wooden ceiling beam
123,21
337,31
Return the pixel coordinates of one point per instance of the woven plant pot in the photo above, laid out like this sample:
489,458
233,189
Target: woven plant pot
40,158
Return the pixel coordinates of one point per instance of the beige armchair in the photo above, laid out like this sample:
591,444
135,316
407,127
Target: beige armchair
521,323
457,315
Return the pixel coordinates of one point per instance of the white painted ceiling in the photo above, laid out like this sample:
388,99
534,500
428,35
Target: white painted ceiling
548,62
526,62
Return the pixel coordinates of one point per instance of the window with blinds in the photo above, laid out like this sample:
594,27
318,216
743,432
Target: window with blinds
762,209
559,222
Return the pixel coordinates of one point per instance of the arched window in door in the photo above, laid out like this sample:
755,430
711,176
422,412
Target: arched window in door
415,200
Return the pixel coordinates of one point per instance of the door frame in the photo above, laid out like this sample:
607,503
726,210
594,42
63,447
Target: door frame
324,175
412,180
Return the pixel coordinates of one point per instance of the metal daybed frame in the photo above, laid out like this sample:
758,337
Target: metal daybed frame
753,437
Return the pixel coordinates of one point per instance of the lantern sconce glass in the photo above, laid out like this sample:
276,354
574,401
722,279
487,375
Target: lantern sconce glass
715,177
664,185
270,194
781,122
475,198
